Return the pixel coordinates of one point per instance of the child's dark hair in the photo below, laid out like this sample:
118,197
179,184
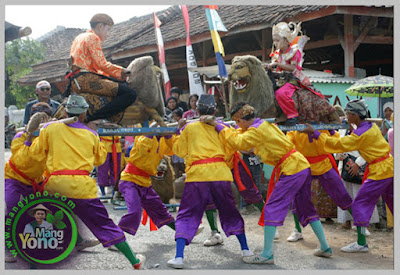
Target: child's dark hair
178,111
239,106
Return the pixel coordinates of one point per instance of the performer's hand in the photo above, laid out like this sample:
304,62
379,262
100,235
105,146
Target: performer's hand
208,119
93,124
354,168
341,156
309,129
181,123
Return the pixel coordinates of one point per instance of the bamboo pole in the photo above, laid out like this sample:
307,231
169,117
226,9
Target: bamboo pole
65,120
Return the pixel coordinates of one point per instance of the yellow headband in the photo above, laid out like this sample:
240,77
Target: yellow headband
244,111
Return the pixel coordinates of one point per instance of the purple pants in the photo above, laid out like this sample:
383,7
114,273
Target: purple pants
367,197
13,191
334,187
93,213
105,172
195,198
136,197
251,195
295,188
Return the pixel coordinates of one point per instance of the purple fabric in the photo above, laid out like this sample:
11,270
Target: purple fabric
105,172
80,125
310,138
294,188
18,135
219,127
251,194
316,134
94,215
362,128
367,197
136,197
13,190
332,132
257,122
194,201
28,143
333,186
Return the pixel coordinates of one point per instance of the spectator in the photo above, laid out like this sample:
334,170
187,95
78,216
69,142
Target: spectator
387,124
192,113
176,92
171,106
43,90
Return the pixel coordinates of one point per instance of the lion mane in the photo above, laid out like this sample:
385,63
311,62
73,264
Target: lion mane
251,84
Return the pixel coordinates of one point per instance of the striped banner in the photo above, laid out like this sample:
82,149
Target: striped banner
194,77
161,55
215,24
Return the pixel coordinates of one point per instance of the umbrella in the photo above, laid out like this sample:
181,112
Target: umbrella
372,86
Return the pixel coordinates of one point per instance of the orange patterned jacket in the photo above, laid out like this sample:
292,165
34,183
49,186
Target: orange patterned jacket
88,54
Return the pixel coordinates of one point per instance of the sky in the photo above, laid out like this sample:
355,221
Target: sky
45,18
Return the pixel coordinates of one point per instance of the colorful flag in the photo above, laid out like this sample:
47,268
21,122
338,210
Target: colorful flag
194,77
161,55
215,24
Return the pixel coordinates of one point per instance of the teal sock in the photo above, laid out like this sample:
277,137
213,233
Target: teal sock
212,219
127,251
260,205
361,240
269,234
296,222
319,231
172,225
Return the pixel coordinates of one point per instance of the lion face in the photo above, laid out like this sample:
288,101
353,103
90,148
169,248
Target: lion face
240,76
161,170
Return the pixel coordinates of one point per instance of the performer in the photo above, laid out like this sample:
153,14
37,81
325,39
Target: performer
207,175
71,151
107,173
287,55
291,169
378,176
135,183
323,167
100,82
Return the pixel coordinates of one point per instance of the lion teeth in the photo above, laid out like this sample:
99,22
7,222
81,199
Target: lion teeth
239,86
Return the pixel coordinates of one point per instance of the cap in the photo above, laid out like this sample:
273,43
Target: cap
176,90
43,83
102,18
207,100
76,105
39,207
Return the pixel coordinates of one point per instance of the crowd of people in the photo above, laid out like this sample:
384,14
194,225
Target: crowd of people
209,152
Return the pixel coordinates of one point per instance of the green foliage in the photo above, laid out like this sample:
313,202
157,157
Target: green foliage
56,220
20,55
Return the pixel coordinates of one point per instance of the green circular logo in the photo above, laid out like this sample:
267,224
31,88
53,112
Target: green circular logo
41,228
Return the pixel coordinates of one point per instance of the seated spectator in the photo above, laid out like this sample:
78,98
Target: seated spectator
176,92
192,113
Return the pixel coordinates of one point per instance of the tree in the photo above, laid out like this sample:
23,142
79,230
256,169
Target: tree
20,55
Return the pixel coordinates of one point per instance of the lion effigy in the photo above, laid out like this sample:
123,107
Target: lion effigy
284,92
149,104
163,182
250,83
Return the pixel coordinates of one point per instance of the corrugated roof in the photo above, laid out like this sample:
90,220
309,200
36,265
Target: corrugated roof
325,77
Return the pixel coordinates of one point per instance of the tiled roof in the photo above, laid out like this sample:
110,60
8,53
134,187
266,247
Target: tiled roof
233,18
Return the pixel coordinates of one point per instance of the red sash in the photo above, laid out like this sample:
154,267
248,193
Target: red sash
132,169
209,160
317,159
236,174
276,173
114,155
366,172
153,226
63,172
35,185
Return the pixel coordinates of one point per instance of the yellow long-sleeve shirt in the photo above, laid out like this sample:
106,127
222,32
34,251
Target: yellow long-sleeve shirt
23,162
313,149
368,140
199,141
146,154
69,147
269,142
108,142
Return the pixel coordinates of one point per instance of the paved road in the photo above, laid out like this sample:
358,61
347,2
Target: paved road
159,247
